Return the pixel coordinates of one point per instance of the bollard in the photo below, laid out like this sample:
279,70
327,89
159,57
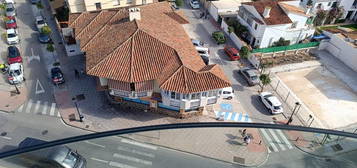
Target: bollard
297,138
260,142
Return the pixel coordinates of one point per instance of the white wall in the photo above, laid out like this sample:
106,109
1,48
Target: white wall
341,50
214,12
238,43
347,6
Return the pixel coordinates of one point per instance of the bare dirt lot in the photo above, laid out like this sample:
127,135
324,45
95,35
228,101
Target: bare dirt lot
332,101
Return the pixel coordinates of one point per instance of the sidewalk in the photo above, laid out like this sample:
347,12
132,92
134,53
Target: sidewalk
9,99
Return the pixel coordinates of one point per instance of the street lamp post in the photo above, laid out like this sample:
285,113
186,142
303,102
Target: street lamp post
17,89
291,117
80,115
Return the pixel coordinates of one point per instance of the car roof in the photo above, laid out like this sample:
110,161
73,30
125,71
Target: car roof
274,100
251,72
14,66
39,18
8,31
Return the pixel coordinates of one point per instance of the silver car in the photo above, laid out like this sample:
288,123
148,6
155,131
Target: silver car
10,9
250,75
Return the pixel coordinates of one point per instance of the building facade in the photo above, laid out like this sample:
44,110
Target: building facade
144,55
76,6
268,20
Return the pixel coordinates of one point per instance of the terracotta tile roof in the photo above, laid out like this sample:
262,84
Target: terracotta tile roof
82,21
292,9
277,15
156,47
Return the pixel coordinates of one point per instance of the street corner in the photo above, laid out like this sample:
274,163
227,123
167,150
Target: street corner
12,98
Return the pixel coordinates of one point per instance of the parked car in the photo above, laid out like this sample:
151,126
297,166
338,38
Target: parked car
232,53
12,37
10,9
227,93
205,59
203,51
219,37
250,75
194,4
13,55
197,43
57,76
40,23
44,38
10,22
35,1
271,102
15,73
9,1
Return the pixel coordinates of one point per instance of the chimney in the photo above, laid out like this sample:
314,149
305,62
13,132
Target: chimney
266,12
134,13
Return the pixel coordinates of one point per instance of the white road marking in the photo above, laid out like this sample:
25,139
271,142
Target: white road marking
39,88
229,116
133,159
58,114
275,149
277,139
28,108
21,108
38,103
284,139
99,160
121,165
52,110
5,137
139,144
126,149
45,106
94,144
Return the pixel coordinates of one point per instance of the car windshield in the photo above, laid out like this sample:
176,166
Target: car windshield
15,73
195,3
13,53
40,22
70,160
10,21
11,35
44,36
254,77
277,107
9,9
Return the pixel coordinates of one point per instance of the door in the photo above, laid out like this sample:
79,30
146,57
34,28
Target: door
219,20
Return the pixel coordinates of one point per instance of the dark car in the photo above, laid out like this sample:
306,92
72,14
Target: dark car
13,55
10,22
57,76
44,38
35,1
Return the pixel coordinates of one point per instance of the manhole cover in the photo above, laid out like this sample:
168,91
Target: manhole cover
238,160
337,147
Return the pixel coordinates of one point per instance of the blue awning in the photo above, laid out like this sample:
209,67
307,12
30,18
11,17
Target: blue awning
320,36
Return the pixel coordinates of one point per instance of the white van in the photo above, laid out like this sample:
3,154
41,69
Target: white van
227,93
203,51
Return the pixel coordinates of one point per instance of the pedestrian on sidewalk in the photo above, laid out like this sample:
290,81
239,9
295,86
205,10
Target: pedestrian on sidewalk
76,73
247,139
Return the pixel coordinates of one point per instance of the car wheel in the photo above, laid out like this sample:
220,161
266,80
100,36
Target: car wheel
229,98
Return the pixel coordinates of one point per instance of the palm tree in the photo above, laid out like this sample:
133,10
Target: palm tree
264,79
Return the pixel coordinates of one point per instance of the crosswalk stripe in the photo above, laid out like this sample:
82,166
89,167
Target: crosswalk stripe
229,116
233,116
226,116
58,114
246,118
284,139
38,103
29,105
144,145
121,165
126,149
240,116
133,159
269,140
21,108
277,139
52,110
219,114
45,106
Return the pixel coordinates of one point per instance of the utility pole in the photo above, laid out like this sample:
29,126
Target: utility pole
79,114
291,117
17,89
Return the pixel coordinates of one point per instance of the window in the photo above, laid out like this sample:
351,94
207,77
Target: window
144,2
204,94
172,95
255,26
98,6
177,97
116,2
186,96
132,86
212,93
195,96
129,1
329,4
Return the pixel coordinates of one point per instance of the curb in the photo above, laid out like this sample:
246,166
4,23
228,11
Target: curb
305,151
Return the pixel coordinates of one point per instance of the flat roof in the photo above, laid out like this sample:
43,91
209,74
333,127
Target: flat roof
228,4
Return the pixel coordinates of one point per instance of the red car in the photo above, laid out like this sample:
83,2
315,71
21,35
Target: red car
13,55
232,52
11,22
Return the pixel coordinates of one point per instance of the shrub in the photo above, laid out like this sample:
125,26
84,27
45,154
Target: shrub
244,52
50,48
230,29
46,30
281,42
39,5
179,2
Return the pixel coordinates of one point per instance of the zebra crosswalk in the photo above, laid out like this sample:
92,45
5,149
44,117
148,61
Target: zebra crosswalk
275,140
39,107
233,116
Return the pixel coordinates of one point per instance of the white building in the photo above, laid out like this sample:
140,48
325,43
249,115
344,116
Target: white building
343,45
350,7
318,5
220,8
270,20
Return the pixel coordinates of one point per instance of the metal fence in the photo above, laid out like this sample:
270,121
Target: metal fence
284,48
303,113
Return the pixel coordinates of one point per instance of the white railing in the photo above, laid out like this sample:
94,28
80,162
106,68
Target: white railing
174,103
195,104
211,101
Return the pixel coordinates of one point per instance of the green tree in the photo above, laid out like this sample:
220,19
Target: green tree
333,14
244,52
265,80
46,30
281,42
39,5
179,2
50,47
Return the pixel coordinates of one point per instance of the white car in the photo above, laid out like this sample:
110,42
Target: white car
271,102
10,9
227,93
12,36
197,43
40,23
194,4
15,73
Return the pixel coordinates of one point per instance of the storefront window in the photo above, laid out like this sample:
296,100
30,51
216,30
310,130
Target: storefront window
172,95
